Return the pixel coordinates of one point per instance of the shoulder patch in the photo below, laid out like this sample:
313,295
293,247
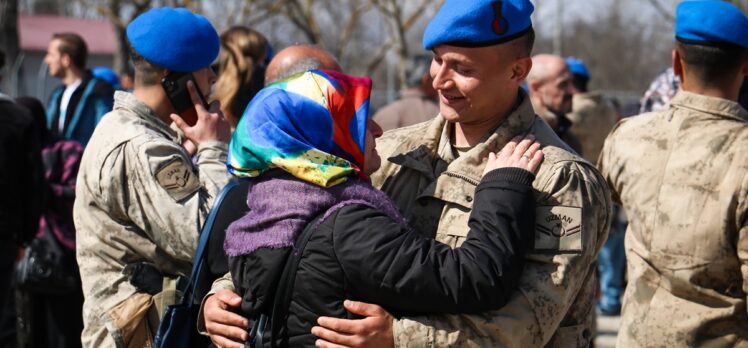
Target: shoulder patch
177,178
558,229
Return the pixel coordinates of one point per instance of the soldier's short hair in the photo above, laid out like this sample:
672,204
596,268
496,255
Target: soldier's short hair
712,63
146,73
74,46
524,43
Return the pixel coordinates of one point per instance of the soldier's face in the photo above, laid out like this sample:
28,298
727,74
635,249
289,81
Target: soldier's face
372,161
474,84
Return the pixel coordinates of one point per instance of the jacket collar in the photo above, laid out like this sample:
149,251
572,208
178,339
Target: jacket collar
128,102
709,105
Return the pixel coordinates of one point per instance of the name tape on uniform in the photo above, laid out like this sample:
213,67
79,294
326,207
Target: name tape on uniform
558,229
177,178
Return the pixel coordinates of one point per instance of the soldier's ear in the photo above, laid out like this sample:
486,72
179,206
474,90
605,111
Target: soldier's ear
677,63
521,68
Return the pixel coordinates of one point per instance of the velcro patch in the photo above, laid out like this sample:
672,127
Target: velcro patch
176,177
558,228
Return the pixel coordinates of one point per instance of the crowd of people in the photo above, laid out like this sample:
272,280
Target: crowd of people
499,203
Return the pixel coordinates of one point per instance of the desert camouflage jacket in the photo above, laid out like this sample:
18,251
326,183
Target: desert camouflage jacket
682,176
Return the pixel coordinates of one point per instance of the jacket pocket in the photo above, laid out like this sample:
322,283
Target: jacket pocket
127,322
571,336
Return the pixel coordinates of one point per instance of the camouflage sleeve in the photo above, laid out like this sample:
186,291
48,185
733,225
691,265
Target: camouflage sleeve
742,216
556,291
166,196
219,284
211,164
606,164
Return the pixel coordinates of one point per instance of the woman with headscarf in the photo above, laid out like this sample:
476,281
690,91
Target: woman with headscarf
308,146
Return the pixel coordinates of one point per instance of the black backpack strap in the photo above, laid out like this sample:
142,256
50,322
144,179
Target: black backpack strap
283,293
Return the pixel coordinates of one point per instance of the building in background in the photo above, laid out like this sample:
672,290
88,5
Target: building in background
30,78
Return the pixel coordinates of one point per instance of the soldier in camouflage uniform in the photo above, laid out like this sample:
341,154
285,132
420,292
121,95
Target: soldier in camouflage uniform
140,199
682,176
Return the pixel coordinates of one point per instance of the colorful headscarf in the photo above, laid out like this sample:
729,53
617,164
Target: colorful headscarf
312,125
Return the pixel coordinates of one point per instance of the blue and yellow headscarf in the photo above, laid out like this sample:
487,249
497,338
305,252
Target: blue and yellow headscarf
312,125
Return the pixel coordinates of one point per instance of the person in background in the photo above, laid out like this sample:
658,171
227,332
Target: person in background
107,75
55,320
592,115
241,70
77,106
127,80
660,91
21,181
417,103
681,174
551,91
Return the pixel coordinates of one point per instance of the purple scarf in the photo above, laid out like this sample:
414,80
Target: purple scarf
281,206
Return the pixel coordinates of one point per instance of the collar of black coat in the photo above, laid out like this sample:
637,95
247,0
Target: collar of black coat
422,153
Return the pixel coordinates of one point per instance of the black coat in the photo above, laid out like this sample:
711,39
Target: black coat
21,173
361,254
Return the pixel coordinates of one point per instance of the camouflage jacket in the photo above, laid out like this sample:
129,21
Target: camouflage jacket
555,301
682,176
592,117
140,198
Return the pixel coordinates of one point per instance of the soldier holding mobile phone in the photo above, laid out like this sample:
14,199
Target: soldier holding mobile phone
141,200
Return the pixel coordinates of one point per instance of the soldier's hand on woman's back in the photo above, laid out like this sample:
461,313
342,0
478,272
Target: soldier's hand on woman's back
210,126
523,153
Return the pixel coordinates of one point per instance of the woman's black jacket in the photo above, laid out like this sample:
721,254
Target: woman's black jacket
361,254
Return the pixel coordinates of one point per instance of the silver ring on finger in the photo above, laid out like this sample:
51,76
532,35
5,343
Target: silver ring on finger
526,158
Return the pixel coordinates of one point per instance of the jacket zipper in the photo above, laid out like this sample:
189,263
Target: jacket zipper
463,177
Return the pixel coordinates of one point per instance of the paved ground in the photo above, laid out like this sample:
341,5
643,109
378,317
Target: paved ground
607,331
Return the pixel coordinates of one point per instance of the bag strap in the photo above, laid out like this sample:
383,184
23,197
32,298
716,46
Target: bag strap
283,293
199,260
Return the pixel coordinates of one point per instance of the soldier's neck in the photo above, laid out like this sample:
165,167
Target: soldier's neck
471,134
155,98
712,90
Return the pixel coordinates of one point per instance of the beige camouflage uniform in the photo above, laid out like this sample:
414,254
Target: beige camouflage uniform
682,176
139,198
592,117
555,300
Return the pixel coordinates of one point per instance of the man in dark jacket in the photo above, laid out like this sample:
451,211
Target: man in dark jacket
76,106
20,201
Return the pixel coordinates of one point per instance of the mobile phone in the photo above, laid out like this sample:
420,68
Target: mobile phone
175,86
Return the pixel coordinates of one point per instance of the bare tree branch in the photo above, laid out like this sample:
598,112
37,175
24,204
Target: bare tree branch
662,10
378,58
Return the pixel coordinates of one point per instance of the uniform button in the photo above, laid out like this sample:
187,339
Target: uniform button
468,198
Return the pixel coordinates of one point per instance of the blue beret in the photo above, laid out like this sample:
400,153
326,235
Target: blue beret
174,38
478,23
711,22
107,75
577,67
